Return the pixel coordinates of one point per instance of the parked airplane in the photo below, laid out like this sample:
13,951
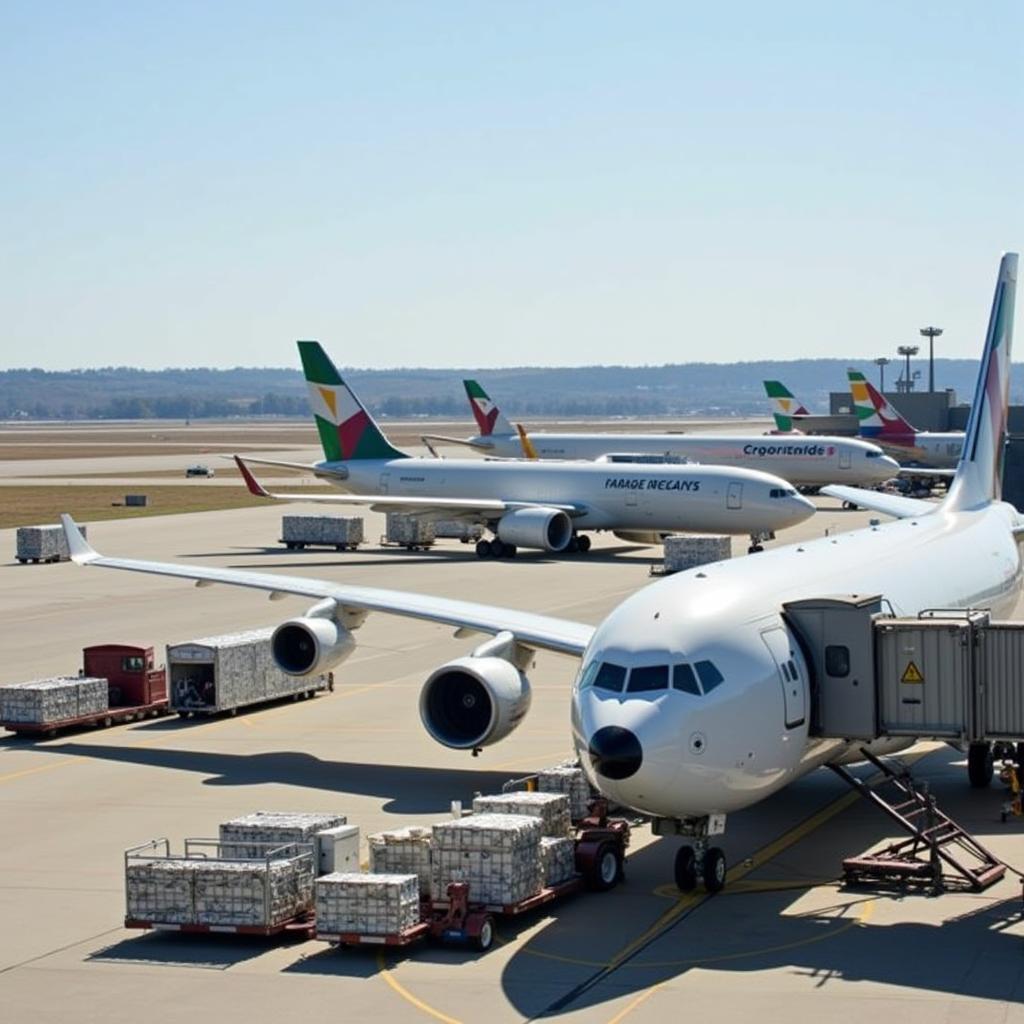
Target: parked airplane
529,504
694,695
804,462
785,406
880,422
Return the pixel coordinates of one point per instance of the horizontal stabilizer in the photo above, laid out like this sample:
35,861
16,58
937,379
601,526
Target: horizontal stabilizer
895,505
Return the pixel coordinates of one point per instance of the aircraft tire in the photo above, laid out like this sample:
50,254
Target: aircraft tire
483,548
714,869
510,551
686,869
979,765
584,543
574,545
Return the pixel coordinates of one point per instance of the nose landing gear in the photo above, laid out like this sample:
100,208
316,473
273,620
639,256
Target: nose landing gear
699,862
757,541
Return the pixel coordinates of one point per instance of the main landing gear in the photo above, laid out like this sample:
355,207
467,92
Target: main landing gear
757,541
497,548
698,863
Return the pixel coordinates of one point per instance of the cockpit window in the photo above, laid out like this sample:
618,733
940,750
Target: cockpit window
684,679
873,455
782,492
710,677
610,677
647,678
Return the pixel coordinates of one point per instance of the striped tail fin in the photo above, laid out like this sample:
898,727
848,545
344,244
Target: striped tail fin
875,416
489,418
979,475
784,405
347,431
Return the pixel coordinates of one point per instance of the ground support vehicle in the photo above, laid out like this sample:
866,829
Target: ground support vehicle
135,690
600,855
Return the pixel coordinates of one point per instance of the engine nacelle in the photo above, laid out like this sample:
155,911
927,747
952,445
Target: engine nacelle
549,529
474,702
311,644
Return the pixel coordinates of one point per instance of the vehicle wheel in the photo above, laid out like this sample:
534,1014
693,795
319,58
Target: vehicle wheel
339,547
606,870
573,546
483,549
686,869
499,548
754,549
510,550
979,765
485,938
584,543
107,721
714,870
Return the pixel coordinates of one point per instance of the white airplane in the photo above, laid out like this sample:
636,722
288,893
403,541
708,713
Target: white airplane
810,461
529,504
693,698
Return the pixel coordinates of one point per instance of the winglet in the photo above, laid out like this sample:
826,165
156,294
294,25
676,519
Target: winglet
524,439
79,548
255,487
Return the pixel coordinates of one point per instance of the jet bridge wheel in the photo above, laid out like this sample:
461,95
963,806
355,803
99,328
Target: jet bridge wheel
979,764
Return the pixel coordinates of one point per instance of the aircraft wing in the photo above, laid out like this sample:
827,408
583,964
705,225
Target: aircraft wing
888,504
542,632
403,503
927,474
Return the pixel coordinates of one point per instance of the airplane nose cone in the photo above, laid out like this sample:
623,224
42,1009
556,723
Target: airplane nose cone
615,752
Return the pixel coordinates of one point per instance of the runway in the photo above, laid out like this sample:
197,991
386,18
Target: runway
783,942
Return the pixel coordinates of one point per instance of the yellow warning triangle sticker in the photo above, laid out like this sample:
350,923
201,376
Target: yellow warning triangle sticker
911,674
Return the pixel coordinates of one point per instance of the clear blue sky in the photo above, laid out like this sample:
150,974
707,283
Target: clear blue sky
441,184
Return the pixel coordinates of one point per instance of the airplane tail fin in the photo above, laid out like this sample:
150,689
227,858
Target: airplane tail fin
875,416
347,431
784,405
489,418
979,473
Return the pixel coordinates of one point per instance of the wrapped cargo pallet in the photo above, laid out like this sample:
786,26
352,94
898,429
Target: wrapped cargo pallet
458,529
686,551
497,854
160,890
409,530
253,893
557,859
570,780
43,544
366,904
205,888
551,808
402,851
219,673
43,701
249,836
333,531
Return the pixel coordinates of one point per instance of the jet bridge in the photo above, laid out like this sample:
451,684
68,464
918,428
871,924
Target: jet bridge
955,675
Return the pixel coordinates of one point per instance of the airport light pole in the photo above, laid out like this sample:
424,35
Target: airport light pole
907,351
931,333
881,362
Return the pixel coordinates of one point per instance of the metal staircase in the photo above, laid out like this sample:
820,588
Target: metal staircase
935,842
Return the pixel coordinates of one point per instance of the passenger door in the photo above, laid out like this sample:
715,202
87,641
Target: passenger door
844,458
734,496
382,486
794,688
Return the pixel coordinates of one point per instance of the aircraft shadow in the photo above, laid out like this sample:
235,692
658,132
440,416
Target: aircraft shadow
405,790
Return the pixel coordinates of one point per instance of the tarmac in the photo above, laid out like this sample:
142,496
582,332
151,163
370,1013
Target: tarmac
783,942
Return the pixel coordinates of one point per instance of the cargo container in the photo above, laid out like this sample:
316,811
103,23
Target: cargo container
458,529
412,532
43,544
225,673
117,683
343,533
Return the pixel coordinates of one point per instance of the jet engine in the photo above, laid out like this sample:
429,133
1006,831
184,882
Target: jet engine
311,644
549,529
474,701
